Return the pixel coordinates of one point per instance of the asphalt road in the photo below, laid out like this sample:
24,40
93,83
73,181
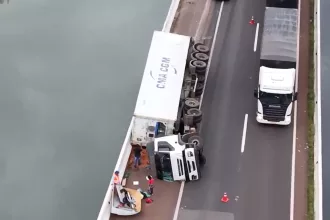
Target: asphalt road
259,178
325,106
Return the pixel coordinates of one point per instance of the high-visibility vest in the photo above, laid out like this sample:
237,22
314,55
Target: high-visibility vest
116,179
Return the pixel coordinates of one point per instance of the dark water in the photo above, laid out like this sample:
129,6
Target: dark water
69,76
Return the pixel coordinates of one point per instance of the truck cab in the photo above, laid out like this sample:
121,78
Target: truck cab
275,95
176,160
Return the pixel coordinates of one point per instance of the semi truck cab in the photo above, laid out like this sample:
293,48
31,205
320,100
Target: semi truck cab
275,94
176,160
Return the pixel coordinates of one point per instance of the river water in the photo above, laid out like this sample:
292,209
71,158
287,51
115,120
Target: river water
70,73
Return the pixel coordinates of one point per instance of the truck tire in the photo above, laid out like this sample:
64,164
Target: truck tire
200,67
199,86
201,78
191,103
196,113
195,46
203,48
193,56
197,141
186,137
202,57
198,94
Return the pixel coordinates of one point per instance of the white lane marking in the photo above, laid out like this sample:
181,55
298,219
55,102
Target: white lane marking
256,38
244,132
177,207
293,159
319,196
178,203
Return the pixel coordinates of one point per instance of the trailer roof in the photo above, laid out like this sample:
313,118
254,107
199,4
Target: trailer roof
160,90
279,40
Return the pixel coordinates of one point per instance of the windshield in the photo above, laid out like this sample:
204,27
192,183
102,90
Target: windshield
271,98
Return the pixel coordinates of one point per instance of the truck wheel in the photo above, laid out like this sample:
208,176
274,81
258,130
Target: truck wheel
199,87
195,46
202,57
197,141
193,56
203,48
196,113
200,65
201,78
198,94
191,103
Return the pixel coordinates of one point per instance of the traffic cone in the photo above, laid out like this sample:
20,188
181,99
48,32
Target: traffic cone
225,198
252,21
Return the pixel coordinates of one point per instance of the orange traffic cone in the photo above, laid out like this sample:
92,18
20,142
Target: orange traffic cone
225,198
252,21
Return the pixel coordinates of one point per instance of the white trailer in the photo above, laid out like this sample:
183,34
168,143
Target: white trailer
157,106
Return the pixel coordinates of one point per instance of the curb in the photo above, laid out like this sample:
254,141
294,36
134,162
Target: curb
171,15
318,196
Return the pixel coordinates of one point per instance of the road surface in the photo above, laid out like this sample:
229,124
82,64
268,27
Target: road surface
325,106
259,177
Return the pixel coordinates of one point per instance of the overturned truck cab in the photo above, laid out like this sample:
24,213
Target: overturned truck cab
176,160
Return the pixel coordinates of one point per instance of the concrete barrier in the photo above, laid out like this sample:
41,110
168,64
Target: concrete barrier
318,193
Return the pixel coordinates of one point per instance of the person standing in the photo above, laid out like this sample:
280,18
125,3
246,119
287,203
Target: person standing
116,179
151,181
137,156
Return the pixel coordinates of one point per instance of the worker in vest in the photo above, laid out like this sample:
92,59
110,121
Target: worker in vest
116,179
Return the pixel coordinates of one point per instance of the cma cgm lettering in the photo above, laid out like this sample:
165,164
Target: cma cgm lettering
162,77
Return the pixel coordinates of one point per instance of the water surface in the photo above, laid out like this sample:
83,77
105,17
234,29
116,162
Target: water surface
70,73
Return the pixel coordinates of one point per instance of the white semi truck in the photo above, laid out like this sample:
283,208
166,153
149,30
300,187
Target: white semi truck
165,121
276,91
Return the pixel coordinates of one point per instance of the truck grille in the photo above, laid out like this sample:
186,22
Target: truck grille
274,112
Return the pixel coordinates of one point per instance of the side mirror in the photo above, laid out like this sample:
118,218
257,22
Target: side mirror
295,97
255,93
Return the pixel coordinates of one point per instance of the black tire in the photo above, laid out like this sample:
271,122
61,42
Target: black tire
197,115
191,103
195,112
195,46
201,78
197,141
203,48
202,57
198,93
199,87
193,56
186,137
192,67
200,65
